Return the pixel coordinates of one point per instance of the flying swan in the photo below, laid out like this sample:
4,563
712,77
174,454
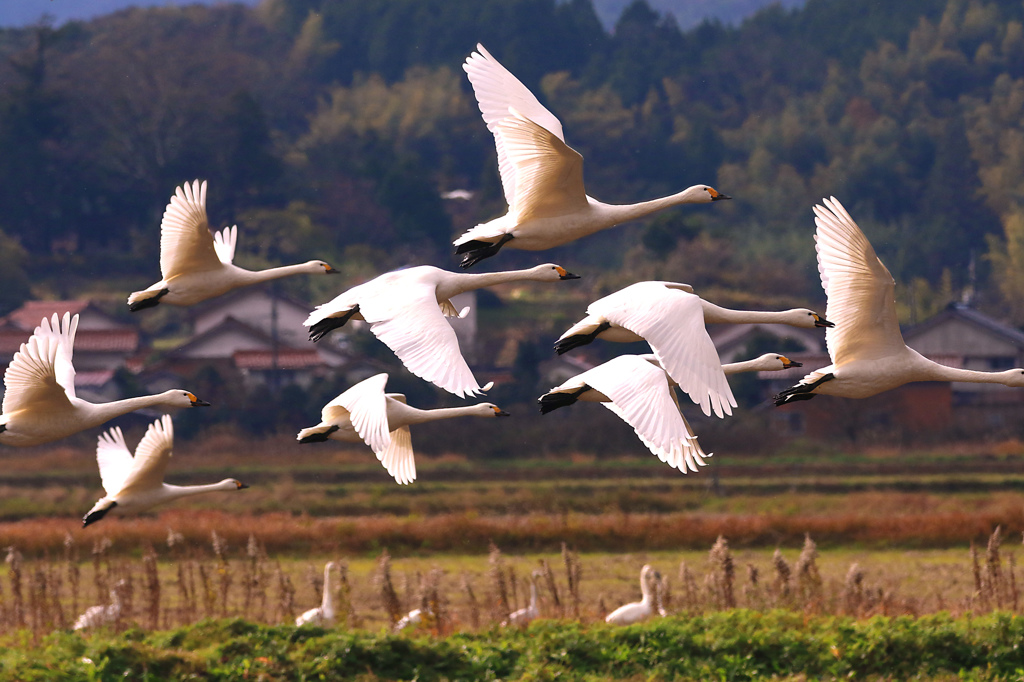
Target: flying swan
40,404
406,310
672,319
867,350
541,176
364,413
196,265
137,483
640,392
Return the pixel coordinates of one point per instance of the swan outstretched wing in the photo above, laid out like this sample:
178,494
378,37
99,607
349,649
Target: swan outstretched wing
366,405
41,375
152,455
497,91
224,244
640,396
407,318
548,173
672,322
860,290
114,460
186,244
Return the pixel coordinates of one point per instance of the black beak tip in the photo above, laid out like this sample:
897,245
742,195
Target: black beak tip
242,486
569,275
332,271
825,323
793,363
200,403
720,196
502,413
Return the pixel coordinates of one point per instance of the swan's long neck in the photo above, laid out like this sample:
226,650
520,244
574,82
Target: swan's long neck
189,490
645,589
533,594
714,314
327,603
622,213
417,416
100,413
937,372
257,276
740,367
459,282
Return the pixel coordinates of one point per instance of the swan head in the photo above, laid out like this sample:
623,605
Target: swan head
701,194
551,272
319,267
232,484
807,319
1014,378
773,362
489,410
179,398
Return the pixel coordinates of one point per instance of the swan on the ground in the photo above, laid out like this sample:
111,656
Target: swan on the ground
323,614
196,264
364,413
542,176
406,310
414,617
640,392
639,610
866,347
672,319
105,614
137,483
39,403
523,616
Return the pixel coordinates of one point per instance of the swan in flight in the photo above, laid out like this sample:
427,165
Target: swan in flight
638,610
195,264
39,403
542,176
364,413
867,350
137,483
98,616
414,617
671,318
523,616
640,392
406,310
323,614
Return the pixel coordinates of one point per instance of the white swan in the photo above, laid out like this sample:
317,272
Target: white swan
672,319
40,404
98,616
639,610
640,392
542,176
406,310
867,350
523,616
196,265
381,420
323,614
138,483
414,617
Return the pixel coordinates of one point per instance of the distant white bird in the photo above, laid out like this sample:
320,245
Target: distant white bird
414,617
195,264
640,392
323,614
672,319
542,176
867,350
637,611
523,616
381,420
406,310
137,483
98,616
39,402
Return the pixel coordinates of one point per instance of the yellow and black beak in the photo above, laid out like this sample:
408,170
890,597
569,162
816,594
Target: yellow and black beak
716,195
328,270
498,412
565,274
820,321
240,485
196,402
787,363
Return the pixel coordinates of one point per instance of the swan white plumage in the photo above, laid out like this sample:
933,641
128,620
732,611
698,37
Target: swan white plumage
414,617
406,310
542,176
105,614
523,616
640,392
637,611
137,483
196,265
672,319
381,420
39,403
323,614
866,347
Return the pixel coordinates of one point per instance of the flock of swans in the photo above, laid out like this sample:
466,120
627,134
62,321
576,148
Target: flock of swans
547,206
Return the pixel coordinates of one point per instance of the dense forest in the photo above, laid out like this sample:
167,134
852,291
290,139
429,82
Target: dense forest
331,129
